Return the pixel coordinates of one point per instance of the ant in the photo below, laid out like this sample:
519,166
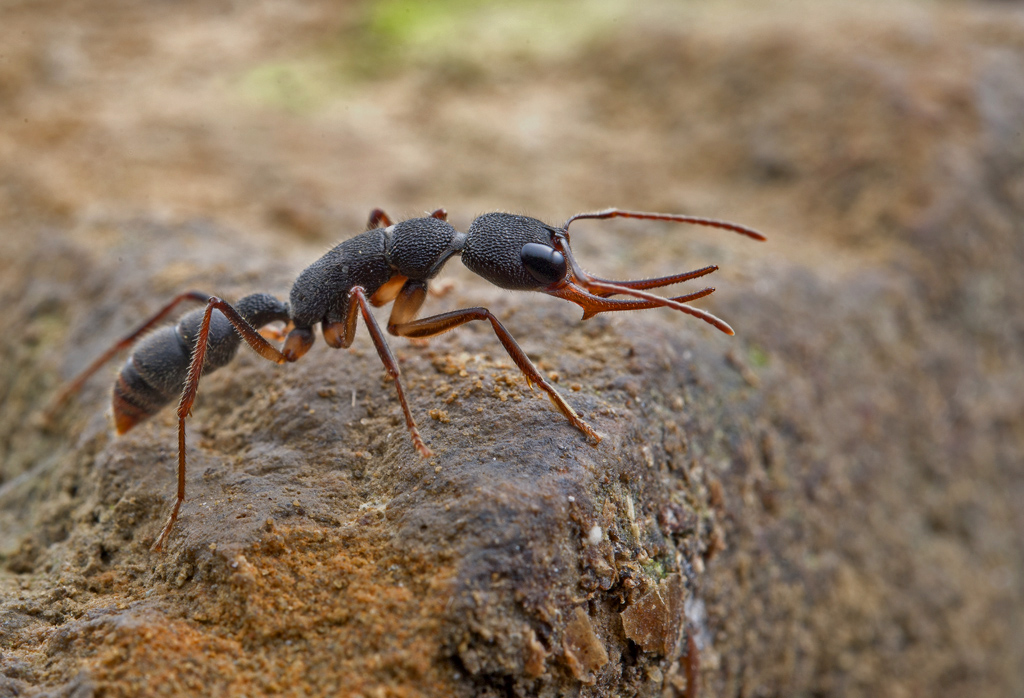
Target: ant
390,262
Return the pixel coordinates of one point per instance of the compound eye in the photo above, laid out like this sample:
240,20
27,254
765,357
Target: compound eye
545,264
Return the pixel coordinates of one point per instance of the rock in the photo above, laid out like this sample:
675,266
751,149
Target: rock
313,535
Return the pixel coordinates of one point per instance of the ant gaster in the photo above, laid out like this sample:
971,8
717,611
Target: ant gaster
390,262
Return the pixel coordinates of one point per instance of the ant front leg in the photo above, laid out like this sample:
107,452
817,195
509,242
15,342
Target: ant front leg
437,324
255,340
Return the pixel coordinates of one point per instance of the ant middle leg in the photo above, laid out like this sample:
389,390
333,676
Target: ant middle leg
437,324
358,295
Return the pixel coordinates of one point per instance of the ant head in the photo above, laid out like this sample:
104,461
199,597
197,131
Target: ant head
515,252
524,254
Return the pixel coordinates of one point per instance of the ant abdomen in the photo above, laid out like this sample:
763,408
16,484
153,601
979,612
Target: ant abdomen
155,373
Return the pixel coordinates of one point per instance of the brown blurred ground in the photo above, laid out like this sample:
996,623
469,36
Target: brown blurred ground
835,494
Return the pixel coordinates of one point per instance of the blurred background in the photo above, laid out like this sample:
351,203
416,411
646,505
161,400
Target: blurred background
297,117
879,145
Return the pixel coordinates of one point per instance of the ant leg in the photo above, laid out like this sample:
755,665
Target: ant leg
388,292
407,303
75,385
435,325
255,340
275,334
390,364
691,663
378,219
440,214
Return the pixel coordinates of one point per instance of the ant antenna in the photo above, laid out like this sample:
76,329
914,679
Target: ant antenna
709,222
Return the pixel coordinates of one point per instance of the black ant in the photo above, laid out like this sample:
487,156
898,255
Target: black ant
390,262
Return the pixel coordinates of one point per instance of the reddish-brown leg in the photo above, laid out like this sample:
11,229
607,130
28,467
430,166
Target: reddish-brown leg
76,384
691,664
388,292
378,219
407,304
430,326
276,334
390,365
195,370
440,214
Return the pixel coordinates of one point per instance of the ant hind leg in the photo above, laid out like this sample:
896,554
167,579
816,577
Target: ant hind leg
378,219
76,384
255,340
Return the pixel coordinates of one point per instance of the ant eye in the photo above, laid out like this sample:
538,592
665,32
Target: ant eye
545,264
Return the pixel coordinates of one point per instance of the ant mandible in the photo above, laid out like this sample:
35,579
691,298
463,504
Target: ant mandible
390,262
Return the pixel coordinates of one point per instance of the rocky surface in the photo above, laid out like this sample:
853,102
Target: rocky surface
827,504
